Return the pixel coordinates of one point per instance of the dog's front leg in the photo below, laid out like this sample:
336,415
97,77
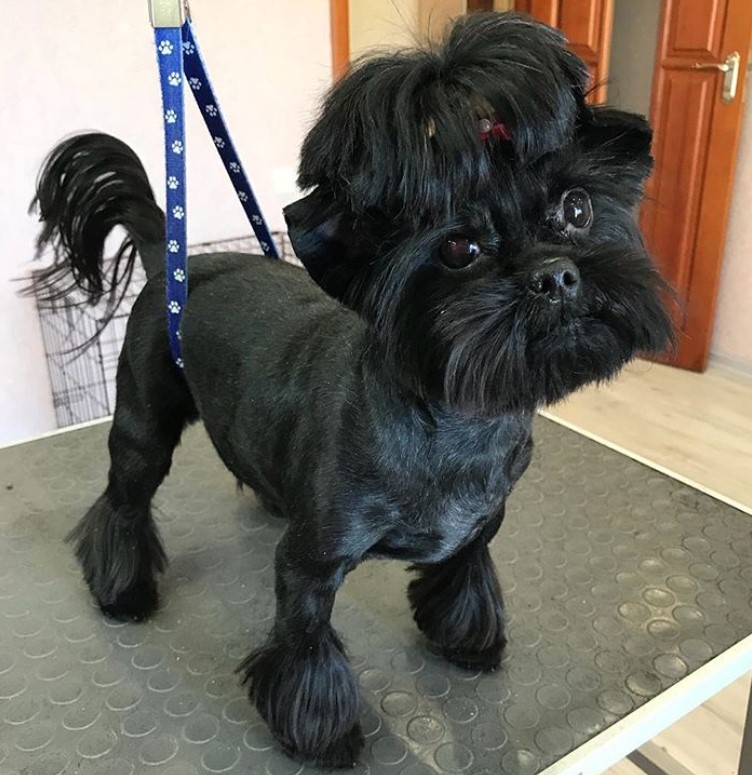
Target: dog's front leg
300,681
458,606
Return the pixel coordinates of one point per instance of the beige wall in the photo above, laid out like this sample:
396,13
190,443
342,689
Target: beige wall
382,24
732,339
435,14
399,23
90,64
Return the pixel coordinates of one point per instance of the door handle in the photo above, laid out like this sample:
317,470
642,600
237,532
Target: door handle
730,69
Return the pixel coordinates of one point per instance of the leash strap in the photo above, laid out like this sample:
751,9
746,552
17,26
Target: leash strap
170,57
179,58
198,80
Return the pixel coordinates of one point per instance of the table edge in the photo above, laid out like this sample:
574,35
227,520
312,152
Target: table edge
633,730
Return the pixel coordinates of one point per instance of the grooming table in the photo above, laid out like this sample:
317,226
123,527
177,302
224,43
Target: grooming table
628,596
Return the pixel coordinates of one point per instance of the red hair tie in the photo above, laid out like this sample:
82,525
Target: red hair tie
490,128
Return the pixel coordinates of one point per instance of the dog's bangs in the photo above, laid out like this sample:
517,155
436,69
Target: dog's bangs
412,130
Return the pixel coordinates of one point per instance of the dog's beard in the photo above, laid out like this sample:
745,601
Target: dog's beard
489,345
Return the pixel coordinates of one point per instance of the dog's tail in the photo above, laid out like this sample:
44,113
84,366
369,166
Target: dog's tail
88,185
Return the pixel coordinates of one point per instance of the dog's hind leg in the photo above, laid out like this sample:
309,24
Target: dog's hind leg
458,606
117,542
300,681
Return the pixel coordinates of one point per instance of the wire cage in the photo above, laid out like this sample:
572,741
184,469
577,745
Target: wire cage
82,377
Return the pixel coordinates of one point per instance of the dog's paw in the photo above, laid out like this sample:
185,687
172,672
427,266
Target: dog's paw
121,556
340,753
457,605
486,660
135,604
306,692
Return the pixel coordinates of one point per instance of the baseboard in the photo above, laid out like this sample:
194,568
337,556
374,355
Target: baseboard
739,366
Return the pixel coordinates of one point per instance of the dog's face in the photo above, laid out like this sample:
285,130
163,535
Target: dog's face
470,205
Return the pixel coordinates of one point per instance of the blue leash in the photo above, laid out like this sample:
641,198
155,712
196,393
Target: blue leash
179,59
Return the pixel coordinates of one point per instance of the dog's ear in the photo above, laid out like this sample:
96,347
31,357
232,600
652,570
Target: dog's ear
617,140
321,233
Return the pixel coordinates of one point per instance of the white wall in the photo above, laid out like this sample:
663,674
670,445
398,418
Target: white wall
732,334
90,64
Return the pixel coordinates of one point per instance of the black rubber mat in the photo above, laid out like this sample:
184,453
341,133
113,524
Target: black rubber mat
619,581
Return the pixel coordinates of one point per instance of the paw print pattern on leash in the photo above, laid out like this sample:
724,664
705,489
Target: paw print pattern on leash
219,142
171,53
211,110
234,167
242,196
195,83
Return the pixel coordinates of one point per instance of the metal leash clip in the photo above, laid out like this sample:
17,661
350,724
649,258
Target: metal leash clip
168,13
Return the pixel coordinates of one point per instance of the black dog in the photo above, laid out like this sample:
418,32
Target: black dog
471,223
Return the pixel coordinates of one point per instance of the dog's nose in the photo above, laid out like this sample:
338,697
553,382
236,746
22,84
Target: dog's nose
556,278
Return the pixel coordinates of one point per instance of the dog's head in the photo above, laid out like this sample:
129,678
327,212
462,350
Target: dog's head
470,205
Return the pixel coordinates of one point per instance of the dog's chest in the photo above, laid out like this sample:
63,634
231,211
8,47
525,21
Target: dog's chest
431,529
445,491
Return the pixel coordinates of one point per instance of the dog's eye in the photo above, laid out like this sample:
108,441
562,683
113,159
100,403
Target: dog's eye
459,252
577,209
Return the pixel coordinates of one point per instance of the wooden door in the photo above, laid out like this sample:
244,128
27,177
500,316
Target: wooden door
696,140
587,26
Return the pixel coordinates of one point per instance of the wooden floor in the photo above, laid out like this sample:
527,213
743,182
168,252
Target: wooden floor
699,427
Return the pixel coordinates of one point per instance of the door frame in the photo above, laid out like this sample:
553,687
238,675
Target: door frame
339,20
